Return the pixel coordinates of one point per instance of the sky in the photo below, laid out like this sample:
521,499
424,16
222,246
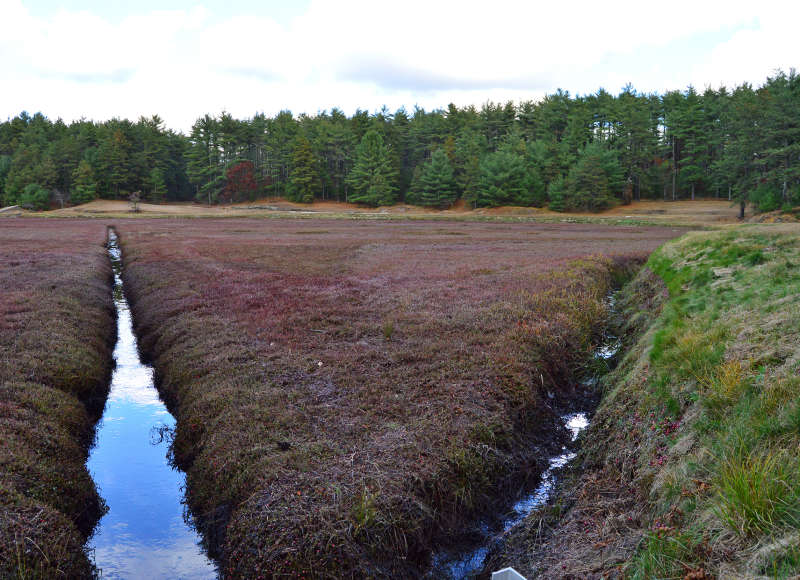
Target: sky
99,59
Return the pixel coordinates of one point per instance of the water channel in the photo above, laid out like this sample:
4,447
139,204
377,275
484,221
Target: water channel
145,533
468,562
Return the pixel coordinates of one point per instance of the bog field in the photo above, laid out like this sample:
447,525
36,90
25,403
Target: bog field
349,395
358,398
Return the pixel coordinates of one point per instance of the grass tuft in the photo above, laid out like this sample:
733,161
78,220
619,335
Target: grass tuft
759,492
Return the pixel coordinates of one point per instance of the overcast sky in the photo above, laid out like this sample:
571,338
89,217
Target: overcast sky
108,58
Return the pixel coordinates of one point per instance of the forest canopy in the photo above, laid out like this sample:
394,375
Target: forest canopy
570,153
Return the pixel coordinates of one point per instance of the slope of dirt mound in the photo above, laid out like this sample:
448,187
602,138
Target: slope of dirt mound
777,217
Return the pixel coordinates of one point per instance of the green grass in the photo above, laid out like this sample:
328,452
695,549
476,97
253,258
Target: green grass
667,553
783,563
758,493
723,362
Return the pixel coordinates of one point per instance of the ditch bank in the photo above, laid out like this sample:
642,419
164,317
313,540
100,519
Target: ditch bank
689,469
145,532
636,306
56,334
469,558
483,549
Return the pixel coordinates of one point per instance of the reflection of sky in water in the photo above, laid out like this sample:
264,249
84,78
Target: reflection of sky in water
468,564
144,534
575,422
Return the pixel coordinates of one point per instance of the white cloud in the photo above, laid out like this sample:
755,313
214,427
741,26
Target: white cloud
754,53
361,53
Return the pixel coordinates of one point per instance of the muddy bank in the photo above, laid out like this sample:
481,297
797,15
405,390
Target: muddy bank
581,530
56,333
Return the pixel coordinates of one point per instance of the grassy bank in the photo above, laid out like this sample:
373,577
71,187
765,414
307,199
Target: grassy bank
56,330
691,469
348,393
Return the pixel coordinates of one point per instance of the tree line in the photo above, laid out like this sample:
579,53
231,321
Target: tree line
565,152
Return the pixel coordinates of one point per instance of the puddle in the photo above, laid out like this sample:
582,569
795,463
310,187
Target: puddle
145,533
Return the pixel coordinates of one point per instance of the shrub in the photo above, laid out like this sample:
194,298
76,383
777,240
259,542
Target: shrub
34,196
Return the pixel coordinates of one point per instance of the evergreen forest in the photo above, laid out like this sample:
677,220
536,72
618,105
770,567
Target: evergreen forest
568,153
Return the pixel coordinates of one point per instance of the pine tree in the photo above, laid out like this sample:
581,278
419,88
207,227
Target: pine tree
47,173
780,101
503,179
435,185
304,180
84,184
741,153
534,182
35,196
467,167
373,177
555,192
636,140
5,166
592,183
157,189
695,142
204,167
114,157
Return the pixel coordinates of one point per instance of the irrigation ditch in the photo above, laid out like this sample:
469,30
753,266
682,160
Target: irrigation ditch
469,558
146,532
134,481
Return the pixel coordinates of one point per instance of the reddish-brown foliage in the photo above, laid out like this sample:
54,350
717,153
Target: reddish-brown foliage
348,392
240,183
56,326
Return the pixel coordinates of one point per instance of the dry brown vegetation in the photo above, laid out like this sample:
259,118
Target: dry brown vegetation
56,329
710,212
349,393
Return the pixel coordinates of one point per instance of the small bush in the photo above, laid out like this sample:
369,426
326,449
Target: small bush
388,329
766,198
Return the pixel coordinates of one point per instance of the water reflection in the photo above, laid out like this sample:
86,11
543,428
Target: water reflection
575,422
144,534
459,562
468,564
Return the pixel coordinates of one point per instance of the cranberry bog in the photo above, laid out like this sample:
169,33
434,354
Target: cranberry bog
56,331
350,394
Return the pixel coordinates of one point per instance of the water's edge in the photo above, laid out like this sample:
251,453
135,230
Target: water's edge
146,532
468,561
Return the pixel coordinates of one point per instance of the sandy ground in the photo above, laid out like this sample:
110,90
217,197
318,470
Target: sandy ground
690,213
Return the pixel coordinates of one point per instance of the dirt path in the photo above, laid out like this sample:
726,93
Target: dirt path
692,213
